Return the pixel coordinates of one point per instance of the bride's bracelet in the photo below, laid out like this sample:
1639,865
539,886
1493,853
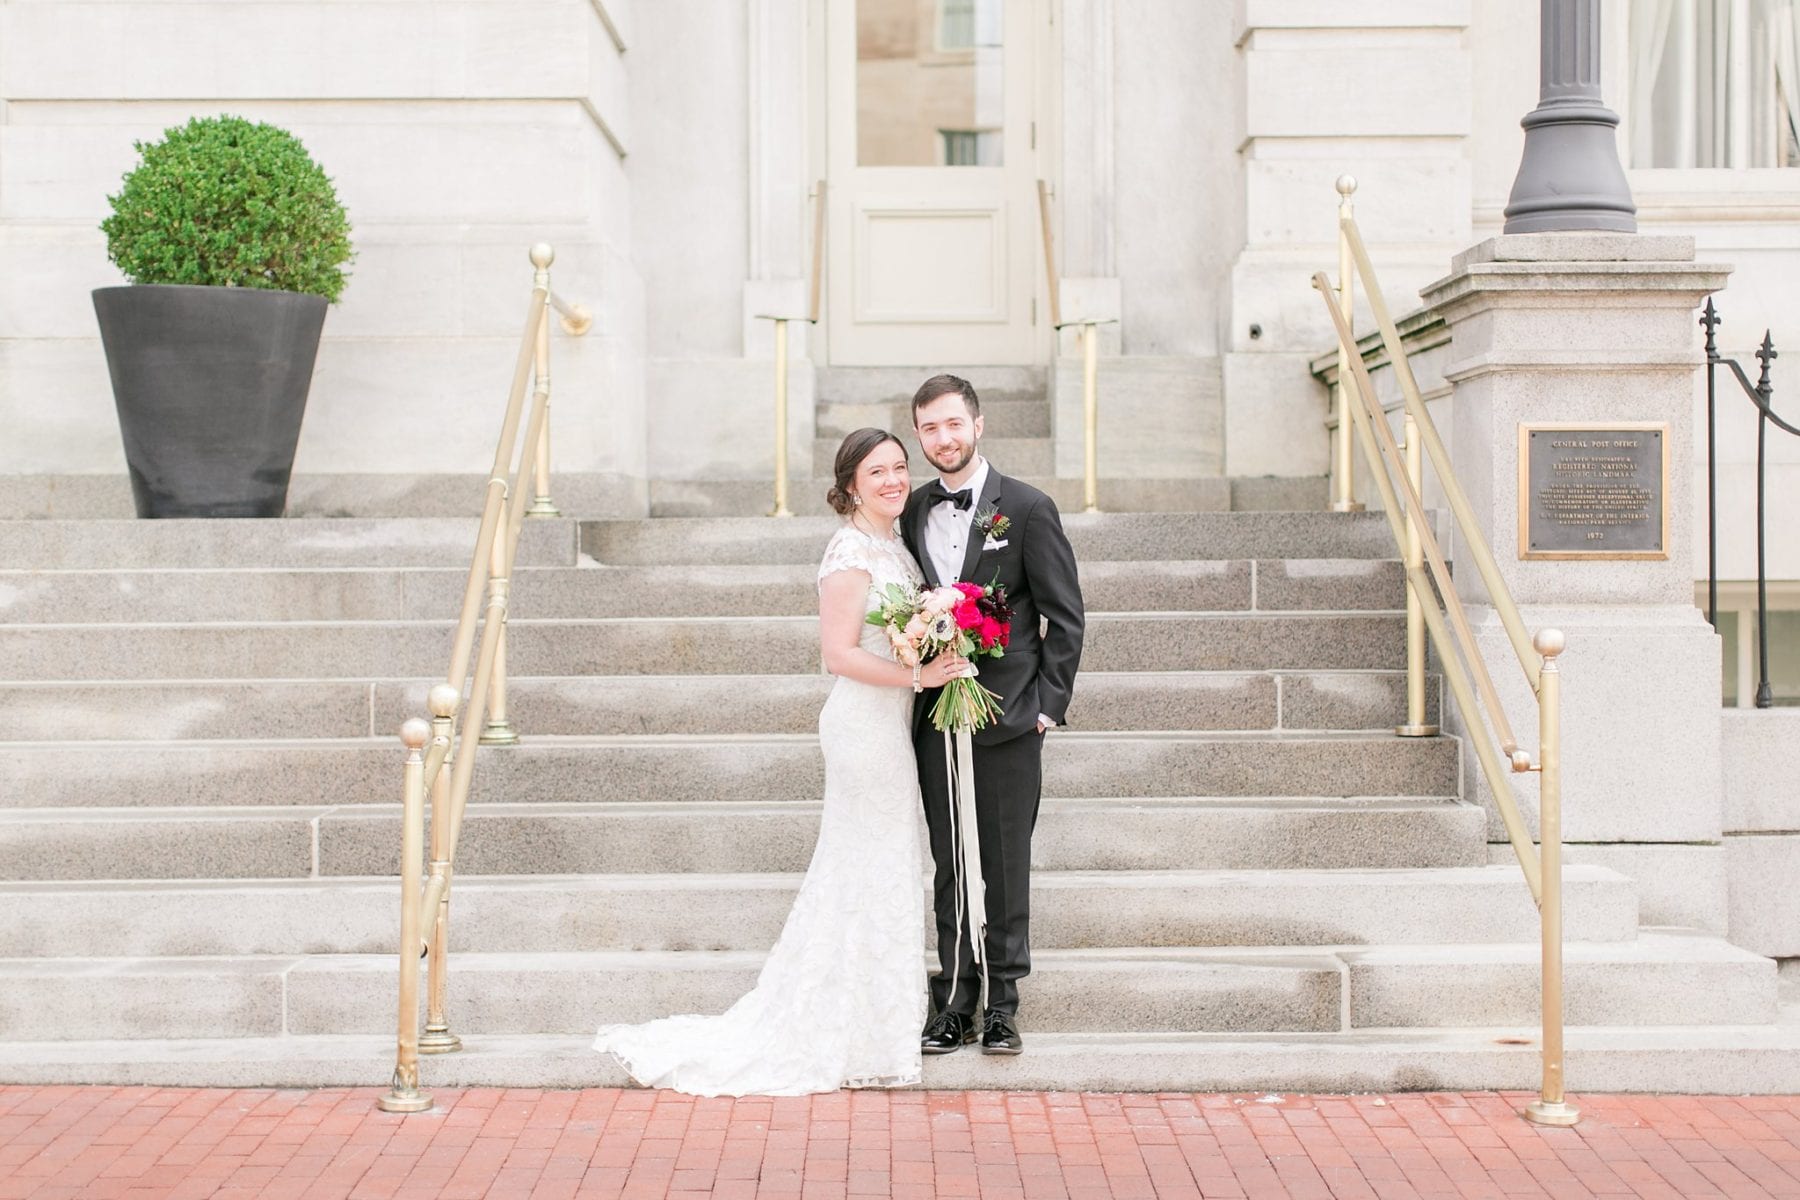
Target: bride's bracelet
917,686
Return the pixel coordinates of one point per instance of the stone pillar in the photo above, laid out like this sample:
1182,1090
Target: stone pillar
1381,91
1570,177
1597,328
1087,198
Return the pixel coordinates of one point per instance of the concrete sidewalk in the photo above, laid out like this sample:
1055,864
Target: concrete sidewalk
94,1143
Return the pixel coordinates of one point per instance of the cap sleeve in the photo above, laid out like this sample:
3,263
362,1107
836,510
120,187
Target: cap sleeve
846,552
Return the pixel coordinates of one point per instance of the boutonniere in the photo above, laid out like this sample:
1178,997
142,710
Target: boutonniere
991,523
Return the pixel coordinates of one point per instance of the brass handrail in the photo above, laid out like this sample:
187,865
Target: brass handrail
433,748
1090,358
1397,478
815,285
1343,455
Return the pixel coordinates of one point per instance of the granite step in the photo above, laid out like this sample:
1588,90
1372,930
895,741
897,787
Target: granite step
1751,1059
370,594
344,542
647,837
1653,980
716,499
728,499
1118,537
623,705
1106,702
1069,910
1000,419
60,999
1659,978
1664,977
659,646
896,385
1020,456
545,770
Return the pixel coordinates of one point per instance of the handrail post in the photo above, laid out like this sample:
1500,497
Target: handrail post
437,1038
1765,697
404,1095
1416,725
542,255
1550,1108
1090,416
781,419
1344,469
1711,321
499,730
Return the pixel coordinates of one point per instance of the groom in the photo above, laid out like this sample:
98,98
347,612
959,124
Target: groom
975,525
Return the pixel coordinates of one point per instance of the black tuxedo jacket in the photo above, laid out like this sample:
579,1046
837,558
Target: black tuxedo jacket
1037,567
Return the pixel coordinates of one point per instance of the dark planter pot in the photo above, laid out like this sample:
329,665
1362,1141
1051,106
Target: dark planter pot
210,384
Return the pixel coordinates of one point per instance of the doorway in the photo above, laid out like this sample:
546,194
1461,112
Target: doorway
932,156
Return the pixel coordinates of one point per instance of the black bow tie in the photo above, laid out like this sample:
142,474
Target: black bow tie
961,499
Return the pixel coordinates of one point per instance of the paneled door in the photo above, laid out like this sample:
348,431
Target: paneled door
932,165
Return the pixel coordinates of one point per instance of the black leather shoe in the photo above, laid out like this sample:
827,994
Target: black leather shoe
947,1033
999,1035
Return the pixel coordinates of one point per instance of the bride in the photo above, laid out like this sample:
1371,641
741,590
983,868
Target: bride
841,997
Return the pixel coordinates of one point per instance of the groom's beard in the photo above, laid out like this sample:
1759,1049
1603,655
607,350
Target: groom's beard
952,467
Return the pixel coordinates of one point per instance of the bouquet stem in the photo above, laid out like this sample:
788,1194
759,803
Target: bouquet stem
965,704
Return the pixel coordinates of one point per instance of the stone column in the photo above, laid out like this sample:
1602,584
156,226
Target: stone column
1087,202
1381,91
1597,328
1570,177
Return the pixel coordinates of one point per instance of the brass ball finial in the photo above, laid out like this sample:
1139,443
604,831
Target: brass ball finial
1521,761
1549,642
542,255
1346,183
443,700
415,733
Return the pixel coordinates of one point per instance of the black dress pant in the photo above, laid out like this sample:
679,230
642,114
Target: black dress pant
1008,785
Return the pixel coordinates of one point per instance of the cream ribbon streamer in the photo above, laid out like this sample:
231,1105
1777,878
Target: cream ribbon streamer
965,860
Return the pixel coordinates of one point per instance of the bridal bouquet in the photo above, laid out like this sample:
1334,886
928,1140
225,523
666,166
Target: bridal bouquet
964,618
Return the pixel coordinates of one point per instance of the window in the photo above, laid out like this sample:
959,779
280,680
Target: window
1715,83
1737,630
968,24
919,104
971,147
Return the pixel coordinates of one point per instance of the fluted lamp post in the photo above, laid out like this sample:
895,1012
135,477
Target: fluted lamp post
1570,177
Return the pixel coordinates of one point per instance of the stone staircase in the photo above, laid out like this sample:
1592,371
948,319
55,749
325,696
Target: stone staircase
1242,879
1016,412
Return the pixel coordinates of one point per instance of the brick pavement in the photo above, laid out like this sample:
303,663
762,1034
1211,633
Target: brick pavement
95,1143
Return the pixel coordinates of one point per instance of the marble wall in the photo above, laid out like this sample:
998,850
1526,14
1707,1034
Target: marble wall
457,135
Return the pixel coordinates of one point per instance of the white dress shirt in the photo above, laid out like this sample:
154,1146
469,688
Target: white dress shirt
948,528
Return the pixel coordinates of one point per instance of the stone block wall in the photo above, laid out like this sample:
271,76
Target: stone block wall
457,134
1761,752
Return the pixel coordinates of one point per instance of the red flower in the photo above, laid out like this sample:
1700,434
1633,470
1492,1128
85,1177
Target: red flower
992,633
973,591
968,615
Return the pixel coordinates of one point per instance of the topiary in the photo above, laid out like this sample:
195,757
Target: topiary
226,202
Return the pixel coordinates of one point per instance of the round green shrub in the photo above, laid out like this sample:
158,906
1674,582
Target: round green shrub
226,202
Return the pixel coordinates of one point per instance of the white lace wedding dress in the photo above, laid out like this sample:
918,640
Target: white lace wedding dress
841,999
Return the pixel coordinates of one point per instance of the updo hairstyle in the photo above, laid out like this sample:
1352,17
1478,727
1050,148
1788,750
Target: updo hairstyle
856,447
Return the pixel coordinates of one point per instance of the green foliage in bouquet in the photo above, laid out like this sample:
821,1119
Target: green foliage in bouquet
226,202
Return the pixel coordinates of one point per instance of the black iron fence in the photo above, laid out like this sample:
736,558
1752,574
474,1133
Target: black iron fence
1759,394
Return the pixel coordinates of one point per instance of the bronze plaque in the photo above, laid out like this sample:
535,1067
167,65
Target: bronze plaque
1594,491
